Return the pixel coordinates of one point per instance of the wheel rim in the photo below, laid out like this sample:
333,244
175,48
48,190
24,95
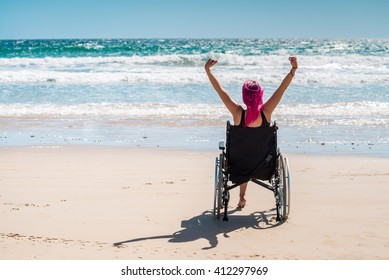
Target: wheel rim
282,189
216,185
287,186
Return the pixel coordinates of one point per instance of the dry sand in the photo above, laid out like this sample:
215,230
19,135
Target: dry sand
77,202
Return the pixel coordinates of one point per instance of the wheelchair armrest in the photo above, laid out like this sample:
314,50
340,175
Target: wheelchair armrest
221,145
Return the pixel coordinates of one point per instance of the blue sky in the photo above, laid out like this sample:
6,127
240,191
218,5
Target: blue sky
40,19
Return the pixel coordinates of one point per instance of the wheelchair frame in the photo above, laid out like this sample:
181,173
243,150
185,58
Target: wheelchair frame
279,183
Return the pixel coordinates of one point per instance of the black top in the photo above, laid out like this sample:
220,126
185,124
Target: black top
242,123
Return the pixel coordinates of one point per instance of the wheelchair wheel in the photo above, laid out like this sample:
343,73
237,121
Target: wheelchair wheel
218,188
283,188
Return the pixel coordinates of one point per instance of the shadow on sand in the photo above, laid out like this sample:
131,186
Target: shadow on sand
206,226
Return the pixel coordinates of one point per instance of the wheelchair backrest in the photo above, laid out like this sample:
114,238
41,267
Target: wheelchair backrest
248,151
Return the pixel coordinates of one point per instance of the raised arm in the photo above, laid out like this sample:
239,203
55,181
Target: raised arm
231,105
273,101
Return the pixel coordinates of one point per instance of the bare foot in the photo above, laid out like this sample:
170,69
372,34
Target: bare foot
242,203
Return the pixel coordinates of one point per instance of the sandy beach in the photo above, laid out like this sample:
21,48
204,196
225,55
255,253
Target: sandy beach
138,203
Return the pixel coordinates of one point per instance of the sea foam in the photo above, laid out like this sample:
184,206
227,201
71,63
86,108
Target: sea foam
186,69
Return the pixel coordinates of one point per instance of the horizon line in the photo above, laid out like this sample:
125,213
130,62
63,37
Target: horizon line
197,38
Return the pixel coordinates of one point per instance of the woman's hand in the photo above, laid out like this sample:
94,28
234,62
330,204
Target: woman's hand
209,64
293,62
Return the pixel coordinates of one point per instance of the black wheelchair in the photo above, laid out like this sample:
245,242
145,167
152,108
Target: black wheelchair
251,154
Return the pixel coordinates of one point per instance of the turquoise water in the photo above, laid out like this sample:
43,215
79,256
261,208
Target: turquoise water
154,92
153,47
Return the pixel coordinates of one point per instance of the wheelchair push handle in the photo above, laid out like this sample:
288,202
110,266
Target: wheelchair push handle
222,146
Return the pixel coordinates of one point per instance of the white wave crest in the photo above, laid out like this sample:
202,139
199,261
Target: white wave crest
184,69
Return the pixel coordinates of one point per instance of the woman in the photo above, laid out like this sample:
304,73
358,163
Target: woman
258,114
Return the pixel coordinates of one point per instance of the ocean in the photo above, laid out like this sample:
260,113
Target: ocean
155,93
